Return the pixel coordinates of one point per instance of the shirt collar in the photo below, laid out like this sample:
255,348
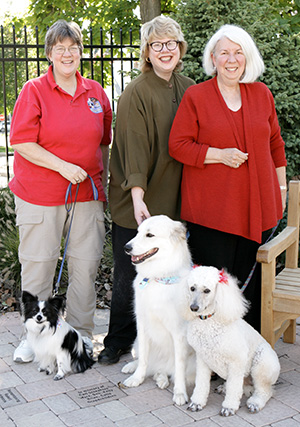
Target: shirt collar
82,84
159,80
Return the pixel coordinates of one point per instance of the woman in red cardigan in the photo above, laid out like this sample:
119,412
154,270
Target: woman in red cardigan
227,136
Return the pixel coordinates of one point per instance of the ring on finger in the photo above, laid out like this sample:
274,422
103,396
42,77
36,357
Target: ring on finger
237,165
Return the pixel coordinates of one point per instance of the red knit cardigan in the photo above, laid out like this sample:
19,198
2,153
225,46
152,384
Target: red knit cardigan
243,201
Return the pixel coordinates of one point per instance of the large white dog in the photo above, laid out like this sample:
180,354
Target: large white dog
162,259
226,344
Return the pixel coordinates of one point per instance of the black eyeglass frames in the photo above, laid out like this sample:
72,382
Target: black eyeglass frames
170,45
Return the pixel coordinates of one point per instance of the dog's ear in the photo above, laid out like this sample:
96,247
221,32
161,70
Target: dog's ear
230,302
28,297
178,232
58,302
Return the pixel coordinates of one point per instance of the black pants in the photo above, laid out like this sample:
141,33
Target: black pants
234,253
122,325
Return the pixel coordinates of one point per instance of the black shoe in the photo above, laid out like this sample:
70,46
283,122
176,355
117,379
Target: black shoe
214,376
110,355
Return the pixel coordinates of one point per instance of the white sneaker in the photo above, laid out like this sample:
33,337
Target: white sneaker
88,345
23,353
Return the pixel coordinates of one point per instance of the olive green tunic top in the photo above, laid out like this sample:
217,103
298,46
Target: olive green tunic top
140,155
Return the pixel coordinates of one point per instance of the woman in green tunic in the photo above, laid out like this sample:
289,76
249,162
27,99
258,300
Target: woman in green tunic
144,179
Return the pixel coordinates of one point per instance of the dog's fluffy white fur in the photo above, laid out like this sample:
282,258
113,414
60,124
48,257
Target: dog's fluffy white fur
56,345
225,343
161,254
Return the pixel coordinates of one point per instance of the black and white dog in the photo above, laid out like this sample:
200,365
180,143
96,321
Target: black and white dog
56,345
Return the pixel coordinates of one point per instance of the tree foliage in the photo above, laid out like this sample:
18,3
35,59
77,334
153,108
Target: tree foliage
107,14
289,14
102,13
281,52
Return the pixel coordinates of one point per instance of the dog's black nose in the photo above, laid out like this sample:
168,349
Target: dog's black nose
38,317
128,248
194,307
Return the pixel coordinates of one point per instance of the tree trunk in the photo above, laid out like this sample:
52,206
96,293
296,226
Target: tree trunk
149,9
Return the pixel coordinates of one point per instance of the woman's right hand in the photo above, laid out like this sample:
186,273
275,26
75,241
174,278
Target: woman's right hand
139,206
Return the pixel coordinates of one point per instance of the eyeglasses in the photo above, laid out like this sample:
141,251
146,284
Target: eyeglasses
60,50
170,45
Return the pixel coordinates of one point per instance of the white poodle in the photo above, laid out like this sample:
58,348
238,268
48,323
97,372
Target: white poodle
226,344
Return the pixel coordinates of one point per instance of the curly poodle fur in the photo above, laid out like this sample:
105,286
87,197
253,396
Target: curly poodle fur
225,343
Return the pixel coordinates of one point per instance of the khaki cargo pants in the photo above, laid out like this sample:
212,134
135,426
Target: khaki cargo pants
41,229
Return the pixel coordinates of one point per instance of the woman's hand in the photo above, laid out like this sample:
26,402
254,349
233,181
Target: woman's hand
139,206
283,198
281,175
231,157
72,173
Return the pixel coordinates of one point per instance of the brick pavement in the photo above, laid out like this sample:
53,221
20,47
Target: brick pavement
29,398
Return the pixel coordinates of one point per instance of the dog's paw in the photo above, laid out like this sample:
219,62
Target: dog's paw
130,367
180,398
49,371
58,377
227,412
41,369
133,381
255,404
253,408
162,380
194,407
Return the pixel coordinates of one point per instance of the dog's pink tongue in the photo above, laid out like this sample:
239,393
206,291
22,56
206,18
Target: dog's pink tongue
134,258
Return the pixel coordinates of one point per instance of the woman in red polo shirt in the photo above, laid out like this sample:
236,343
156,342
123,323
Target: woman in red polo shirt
61,129
227,135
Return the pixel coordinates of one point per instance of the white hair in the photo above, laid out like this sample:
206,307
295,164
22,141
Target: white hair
254,62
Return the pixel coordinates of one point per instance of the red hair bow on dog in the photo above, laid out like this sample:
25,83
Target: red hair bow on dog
223,278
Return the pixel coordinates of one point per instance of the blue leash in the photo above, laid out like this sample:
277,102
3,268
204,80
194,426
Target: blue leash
69,208
255,264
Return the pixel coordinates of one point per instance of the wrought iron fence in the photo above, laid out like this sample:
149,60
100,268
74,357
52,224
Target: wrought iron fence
107,57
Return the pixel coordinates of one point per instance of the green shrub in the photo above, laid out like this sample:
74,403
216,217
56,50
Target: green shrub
281,52
10,268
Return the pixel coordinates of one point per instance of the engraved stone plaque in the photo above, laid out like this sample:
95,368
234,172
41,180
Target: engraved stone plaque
94,395
10,397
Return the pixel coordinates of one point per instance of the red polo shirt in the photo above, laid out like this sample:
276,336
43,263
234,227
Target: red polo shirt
72,128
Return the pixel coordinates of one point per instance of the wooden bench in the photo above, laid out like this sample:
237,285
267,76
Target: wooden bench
280,305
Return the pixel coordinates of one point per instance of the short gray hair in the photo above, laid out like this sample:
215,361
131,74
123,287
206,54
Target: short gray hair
159,28
60,31
254,62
